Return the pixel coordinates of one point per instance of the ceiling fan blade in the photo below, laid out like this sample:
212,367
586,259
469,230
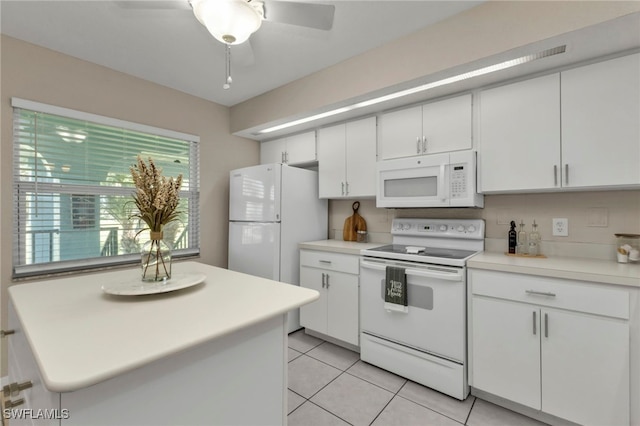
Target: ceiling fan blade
318,16
154,5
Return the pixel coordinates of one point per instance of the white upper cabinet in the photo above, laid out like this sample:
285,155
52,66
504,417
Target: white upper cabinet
576,129
601,123
440,126
347,159
520,136
293,150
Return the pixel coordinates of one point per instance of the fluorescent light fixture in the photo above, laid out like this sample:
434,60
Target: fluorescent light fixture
449,80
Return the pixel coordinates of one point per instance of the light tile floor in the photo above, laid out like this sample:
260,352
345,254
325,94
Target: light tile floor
330,385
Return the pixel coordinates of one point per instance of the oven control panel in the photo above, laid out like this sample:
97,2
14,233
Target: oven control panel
445,228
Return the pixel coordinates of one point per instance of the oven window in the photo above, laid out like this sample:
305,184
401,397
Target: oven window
411,187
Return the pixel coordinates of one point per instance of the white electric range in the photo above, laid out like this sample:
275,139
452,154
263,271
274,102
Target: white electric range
426,342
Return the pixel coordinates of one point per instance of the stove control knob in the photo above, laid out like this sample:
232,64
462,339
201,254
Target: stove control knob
397,226
443,228
460,228
471,228
406,226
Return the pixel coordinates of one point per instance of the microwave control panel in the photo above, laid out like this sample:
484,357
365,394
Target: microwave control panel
458,181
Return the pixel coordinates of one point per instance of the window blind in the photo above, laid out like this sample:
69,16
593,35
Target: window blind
73,189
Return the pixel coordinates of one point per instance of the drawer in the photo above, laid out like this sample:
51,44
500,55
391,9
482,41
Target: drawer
331,261
558,293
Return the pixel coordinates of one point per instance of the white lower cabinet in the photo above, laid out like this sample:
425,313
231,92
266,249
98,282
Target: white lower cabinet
335,277
557,346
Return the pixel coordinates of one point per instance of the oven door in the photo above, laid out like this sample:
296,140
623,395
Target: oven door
413,182
435,318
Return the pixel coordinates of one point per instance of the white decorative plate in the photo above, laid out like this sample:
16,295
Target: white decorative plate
137,287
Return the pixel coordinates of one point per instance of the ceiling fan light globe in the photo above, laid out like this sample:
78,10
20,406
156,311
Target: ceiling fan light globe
229,21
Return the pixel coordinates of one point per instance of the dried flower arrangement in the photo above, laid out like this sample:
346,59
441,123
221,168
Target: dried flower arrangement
157,199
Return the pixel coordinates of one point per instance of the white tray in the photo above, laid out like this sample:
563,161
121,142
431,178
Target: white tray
137,287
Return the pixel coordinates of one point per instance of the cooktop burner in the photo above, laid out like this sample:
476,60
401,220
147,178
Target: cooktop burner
424,251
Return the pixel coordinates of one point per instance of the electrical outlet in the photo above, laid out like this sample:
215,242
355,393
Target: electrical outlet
560,227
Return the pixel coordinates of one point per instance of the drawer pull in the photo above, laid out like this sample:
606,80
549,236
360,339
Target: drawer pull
4,333
328,262
540,293
13,389
534,323
11,404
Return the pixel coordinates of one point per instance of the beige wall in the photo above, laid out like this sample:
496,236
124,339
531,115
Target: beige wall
621,209
486,30
41,75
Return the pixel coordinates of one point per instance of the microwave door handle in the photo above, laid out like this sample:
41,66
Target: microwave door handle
442,187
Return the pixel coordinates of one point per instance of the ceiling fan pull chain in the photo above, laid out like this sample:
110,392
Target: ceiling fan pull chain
227,83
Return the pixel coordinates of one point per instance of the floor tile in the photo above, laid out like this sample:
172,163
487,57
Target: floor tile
334,355
293,401
302,342
402,412
293,354
352,399
377,376
487,414
443,404
309,414
307,375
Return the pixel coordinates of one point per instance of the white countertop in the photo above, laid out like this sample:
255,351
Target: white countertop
81,336
339,246
594,270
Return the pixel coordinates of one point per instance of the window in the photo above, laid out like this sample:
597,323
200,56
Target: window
72,189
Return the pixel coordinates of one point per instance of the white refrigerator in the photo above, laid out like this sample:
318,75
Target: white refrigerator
272,208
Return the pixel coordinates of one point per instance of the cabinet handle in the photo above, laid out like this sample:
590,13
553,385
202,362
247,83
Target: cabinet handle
13,389
327,281
342,187
424,144
418,145
4,333
347,186
555,175
286,157
323,279
11,404
566,174
540,293
546,325
535,326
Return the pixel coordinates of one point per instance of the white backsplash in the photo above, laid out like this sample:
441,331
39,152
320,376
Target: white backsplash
594,218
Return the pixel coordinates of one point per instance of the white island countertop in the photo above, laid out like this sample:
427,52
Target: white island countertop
81,336
583,269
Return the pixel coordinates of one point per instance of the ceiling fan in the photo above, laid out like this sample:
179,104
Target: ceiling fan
233,21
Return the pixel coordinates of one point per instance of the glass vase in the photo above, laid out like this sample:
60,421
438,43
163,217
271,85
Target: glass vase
156,258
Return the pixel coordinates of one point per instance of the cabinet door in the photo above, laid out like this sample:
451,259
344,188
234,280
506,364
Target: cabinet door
361,158
314,315
585,368
331,161
342,307
301,148
519,145
446,125
272,151
401,133
601,123
506,350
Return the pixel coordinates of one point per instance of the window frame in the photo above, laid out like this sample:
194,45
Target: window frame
21,269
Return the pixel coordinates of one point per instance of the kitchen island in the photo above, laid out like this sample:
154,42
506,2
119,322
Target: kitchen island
213,353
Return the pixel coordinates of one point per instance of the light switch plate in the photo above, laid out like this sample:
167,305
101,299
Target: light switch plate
560,227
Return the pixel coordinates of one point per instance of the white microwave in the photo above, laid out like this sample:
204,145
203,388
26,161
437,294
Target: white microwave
437,180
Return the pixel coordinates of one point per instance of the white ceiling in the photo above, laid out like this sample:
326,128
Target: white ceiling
170,47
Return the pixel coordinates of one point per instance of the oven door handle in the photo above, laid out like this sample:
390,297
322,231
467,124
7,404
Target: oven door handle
426,273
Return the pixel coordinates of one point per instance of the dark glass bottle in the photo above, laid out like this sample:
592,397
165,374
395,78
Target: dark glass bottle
513,238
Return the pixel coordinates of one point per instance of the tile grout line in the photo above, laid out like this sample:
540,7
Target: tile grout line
473,404
387,404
